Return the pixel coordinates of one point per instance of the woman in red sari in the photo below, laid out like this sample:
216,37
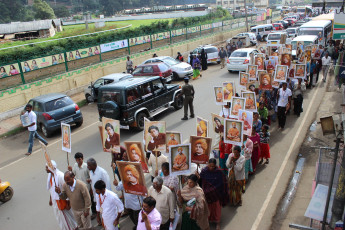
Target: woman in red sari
255,138
215,188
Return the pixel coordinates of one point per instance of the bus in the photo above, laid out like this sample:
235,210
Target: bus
320,28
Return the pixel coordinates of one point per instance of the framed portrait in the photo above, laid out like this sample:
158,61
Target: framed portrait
286,50
247,118
313,49
201,148
300,71
244,78
201,127
288,46
250,101
281,73
173,138
218,95
66,137
25,119
302,58
180,159
110,135
275,58
135,153
218,124
270,64
300,44
308,55
286,59
154,136
292,71
132,177
265,81
47,157
259,61
228,91
252,71
233,132
237,103
251,86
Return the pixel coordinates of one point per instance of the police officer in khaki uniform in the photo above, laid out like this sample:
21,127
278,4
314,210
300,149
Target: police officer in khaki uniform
188,93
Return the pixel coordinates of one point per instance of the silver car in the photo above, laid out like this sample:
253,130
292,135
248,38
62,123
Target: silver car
91,92
178,68
240,59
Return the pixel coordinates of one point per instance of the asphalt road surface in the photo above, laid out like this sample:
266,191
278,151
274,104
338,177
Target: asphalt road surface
29,206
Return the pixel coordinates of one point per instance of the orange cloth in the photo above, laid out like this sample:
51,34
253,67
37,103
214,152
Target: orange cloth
180,162
233,134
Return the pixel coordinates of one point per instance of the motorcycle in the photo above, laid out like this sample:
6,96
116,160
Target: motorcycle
6,191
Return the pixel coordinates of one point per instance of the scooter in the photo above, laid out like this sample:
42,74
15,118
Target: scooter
6,191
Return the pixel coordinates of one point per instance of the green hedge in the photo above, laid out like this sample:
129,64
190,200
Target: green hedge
33,51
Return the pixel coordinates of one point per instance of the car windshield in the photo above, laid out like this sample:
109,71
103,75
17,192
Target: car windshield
137,70
239,54
274,37
170,61
110,96
291,31
310,31
294,44
211,50
58,103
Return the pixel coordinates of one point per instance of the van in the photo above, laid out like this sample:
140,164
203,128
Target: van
263,30
276,39
307,41
321,28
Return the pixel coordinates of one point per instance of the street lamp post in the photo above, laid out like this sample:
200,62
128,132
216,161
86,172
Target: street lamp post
245,11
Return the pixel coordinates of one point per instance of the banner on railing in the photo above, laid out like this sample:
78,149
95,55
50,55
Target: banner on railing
206,27
160,36
9,70
216,24
83,53
139,40
194,29
178,32
43,62
114,46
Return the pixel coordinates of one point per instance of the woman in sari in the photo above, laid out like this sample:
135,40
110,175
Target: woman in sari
196,67
215,187
247,153
195,216
235,163
255,138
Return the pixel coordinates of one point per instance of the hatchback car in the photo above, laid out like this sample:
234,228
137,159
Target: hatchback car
154,69
240,59
179,69
278,26
284,23
212,53
91,92
53,109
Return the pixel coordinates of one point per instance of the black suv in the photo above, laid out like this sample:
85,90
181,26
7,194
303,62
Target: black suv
133,99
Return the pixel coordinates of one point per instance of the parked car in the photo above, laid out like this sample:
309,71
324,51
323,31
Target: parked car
134,99
179,69
292,32
154,69
252,37
91,92
278,26
285,23
299,23
53,109
212,53
239,60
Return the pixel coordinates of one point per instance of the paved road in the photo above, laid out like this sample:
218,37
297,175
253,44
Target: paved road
29,206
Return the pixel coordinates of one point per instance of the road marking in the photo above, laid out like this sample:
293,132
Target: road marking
282,168
55,142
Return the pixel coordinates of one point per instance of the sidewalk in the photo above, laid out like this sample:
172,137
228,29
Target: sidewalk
13,125
330,105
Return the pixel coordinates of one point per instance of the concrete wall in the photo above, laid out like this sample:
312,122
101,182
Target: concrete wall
12,100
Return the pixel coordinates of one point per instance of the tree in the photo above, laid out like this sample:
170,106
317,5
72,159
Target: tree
43,10
109,7
61,11
14,11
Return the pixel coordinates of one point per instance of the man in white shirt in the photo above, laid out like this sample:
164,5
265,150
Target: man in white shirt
165,202
156,164
132,203
96,173
32,127
284,102
326,61
129,65
149,217
109,207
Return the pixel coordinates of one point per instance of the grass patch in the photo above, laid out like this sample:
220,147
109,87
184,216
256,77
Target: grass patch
13,132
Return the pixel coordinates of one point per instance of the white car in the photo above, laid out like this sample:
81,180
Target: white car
91,92
212,53
179,69
239,59
292,32
252,37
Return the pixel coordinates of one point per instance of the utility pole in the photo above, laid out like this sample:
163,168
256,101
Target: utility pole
245,11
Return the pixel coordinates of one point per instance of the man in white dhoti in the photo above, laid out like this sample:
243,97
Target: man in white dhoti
62,209
109,206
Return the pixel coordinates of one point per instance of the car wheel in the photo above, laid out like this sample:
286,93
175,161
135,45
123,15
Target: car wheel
6,195
79,123
175,77
44,130
140,120
230,71
88,98
178,103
